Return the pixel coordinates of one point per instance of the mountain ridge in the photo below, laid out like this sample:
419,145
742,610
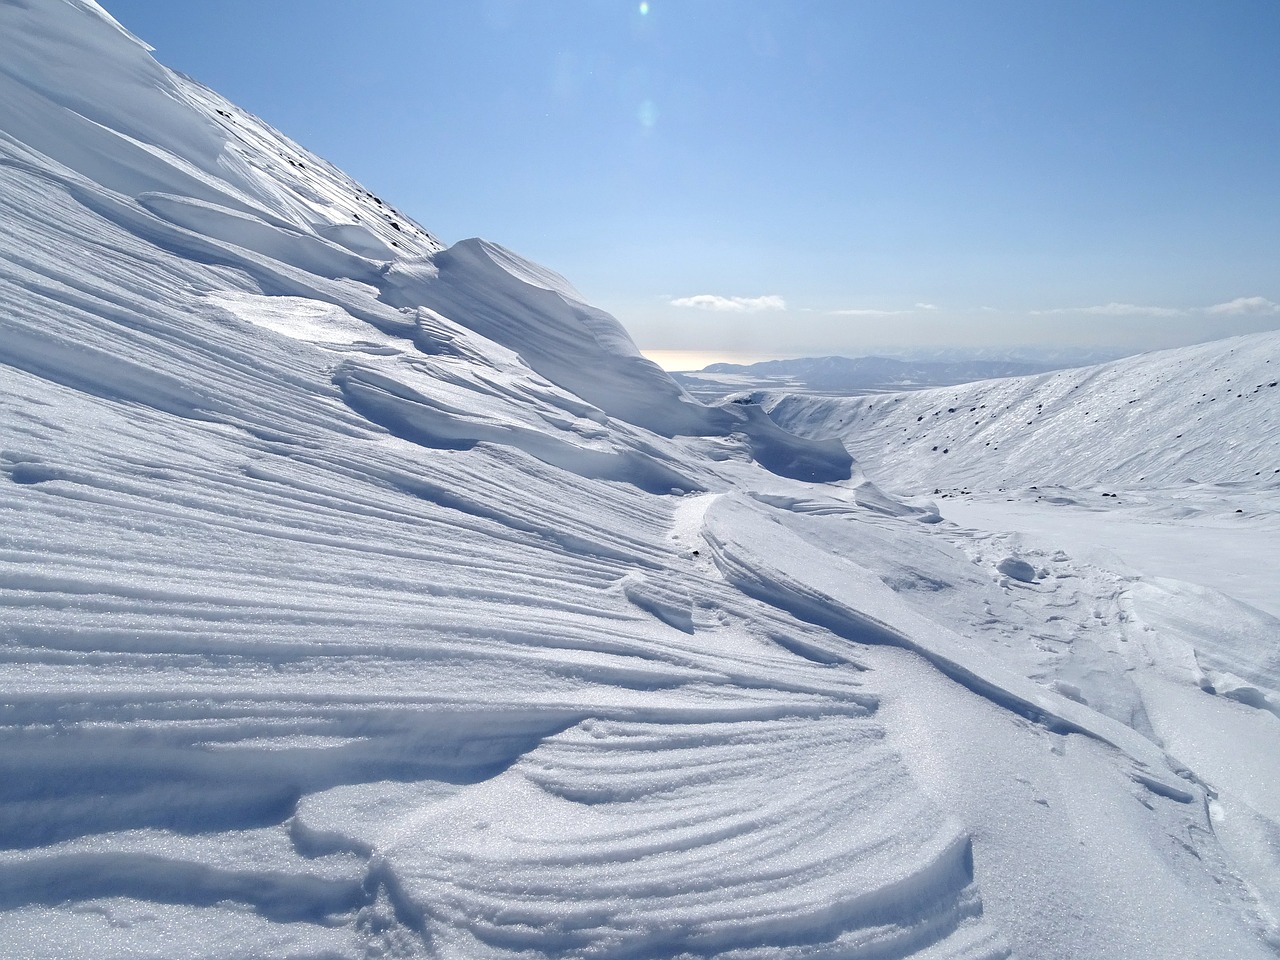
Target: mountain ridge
365,597
1207,413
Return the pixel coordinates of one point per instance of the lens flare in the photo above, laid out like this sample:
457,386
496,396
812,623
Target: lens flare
644,9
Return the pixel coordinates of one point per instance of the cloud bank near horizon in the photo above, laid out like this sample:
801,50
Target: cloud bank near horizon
711,301
1240,306
1113,310
775,326
1245,305
867,312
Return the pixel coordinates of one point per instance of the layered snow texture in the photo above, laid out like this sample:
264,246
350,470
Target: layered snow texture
362,597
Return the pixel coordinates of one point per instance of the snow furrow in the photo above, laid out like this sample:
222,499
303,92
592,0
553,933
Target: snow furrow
364,597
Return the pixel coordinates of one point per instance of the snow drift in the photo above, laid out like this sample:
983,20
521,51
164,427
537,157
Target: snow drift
366,597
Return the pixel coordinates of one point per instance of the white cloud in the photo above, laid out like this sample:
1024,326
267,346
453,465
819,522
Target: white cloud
867,313
872,312
1239,307
709,301
1245,305
1115,310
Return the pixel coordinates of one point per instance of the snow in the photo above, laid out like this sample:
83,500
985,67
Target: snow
1150,531
1203,414
366,597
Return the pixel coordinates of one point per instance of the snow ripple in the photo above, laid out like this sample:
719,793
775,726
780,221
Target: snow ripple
798,837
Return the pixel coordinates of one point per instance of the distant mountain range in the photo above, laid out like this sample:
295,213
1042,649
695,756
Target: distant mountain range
851,376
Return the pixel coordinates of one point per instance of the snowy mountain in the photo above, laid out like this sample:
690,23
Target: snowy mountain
1204,413
366,597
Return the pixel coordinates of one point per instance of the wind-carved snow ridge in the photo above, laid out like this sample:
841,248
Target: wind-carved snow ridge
362,597
797,837
83,92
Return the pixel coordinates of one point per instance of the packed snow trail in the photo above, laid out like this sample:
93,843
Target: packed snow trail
363,597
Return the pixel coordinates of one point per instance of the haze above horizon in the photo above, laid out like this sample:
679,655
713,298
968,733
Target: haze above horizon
819,178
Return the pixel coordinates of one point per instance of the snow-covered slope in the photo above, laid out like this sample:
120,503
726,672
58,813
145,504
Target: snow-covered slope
1208,413
361,597
90,100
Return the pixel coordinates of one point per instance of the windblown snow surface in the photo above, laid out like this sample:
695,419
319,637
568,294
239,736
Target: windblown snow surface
363,597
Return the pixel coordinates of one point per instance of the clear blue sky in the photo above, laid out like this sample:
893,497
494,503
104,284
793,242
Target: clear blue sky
808,177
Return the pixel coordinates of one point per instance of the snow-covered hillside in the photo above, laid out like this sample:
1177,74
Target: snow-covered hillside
1208,413
363,597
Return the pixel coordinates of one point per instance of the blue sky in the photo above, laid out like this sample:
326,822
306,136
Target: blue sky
803,177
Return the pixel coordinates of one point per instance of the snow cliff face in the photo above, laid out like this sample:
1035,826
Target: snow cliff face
363,597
